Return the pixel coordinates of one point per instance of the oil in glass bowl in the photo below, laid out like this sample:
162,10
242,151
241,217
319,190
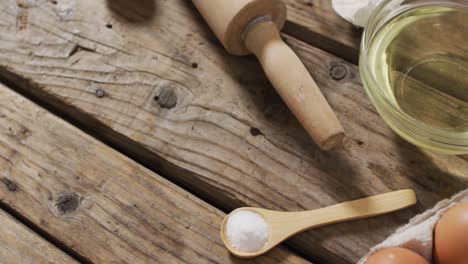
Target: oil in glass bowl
420,61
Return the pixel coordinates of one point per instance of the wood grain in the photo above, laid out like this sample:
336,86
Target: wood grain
20,245
163,90
316,23
104,207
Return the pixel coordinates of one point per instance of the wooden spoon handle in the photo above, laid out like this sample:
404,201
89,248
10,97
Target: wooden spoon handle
294,84
362,208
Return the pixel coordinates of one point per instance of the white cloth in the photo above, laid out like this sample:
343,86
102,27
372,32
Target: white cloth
357,12
417,234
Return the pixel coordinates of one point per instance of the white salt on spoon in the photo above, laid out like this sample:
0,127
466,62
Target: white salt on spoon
247,231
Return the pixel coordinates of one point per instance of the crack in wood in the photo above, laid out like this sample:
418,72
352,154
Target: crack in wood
77,48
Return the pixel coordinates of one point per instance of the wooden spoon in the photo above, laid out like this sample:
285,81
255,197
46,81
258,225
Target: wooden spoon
286,224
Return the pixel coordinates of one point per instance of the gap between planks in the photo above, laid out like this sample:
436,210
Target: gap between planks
18,244
35,230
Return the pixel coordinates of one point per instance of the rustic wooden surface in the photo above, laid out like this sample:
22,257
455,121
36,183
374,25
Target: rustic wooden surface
104,207
19,245
152,80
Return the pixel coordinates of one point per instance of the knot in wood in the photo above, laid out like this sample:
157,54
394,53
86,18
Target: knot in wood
338,72
255,131
11,186
167,98
100,93
18,132
67,203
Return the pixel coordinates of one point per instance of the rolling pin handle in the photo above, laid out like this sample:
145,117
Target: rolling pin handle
293,83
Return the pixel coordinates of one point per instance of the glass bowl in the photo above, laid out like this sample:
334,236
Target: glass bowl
419,133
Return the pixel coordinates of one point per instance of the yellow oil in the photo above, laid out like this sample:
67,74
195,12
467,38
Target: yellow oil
420,60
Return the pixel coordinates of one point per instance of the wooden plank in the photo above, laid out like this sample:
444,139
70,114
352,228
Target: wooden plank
18,244
104,207
163,90
316,23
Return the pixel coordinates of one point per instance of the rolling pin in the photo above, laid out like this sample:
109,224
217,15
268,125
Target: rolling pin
252,26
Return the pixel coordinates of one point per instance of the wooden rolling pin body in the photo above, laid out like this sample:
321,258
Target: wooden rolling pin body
252,26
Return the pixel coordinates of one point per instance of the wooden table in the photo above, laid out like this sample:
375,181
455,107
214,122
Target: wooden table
127,132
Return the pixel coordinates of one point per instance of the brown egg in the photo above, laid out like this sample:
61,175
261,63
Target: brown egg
451,236
396,256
